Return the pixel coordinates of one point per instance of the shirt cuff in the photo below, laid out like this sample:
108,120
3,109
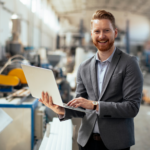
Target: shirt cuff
61,116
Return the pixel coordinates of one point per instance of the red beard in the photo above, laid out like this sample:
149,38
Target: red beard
104,47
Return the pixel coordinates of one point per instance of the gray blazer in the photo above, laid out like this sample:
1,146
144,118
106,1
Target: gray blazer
119,100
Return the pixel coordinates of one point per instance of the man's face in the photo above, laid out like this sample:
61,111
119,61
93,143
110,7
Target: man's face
103,34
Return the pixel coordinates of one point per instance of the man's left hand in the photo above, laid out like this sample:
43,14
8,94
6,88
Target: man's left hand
81,102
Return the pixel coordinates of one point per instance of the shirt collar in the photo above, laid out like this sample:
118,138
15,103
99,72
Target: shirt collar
108,59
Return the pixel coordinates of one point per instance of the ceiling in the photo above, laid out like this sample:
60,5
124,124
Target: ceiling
64,7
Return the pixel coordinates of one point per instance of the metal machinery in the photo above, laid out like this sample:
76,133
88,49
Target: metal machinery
18,104
13,76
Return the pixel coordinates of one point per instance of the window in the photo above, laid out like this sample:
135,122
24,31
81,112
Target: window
34,6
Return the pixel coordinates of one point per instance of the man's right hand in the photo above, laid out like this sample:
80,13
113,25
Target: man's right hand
47,101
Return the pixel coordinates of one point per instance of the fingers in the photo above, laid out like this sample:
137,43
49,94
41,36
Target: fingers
80,102
40,100
43,95
69,103
50,102
78,105
74,102
46,99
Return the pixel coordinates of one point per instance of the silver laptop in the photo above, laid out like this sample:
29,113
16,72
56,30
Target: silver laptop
40,79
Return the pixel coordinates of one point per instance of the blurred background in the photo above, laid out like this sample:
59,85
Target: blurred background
55,34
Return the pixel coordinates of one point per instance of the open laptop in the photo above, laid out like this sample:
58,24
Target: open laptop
40,79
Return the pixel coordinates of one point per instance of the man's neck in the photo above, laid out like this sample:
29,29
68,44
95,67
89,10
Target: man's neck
104,55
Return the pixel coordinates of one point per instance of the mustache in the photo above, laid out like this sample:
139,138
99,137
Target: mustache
102,40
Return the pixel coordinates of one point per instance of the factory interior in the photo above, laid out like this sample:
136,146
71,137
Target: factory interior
56,35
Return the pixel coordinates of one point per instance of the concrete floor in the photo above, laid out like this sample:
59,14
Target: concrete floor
76,122
142,129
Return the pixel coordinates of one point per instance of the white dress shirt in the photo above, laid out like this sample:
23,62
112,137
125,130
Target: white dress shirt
101,71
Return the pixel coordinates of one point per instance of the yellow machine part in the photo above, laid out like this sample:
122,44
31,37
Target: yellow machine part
19,73
7,80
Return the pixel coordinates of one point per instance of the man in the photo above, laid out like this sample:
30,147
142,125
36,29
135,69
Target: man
110,83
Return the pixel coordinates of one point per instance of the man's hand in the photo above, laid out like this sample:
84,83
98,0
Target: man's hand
81,102
47,101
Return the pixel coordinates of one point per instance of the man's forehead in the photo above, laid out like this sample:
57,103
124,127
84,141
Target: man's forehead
97,21
101,22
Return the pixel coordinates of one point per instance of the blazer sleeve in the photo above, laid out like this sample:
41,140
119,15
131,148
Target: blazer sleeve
132,86
80,92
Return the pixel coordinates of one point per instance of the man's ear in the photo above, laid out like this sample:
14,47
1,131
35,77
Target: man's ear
91,32
116,32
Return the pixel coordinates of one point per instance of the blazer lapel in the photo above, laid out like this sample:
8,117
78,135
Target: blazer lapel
110,71
93,71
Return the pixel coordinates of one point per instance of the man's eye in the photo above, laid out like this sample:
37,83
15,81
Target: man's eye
97,31
106,30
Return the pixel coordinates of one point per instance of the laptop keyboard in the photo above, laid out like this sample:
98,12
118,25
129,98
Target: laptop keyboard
78,109
66,106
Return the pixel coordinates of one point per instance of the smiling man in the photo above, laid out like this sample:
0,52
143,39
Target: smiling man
110,83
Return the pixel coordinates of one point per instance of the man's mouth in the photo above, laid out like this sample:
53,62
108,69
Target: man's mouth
102,41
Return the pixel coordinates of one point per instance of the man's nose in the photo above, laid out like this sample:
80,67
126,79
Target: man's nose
101,35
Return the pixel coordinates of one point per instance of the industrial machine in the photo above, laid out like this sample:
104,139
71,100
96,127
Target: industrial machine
12,77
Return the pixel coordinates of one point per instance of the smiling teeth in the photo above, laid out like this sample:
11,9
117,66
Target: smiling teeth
103,41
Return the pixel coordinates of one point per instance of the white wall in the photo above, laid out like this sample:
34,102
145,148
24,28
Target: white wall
34,32
4,26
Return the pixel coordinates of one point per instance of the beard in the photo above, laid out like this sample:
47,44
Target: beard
105,47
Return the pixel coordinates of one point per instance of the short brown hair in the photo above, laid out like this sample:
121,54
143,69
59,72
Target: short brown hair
102,14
